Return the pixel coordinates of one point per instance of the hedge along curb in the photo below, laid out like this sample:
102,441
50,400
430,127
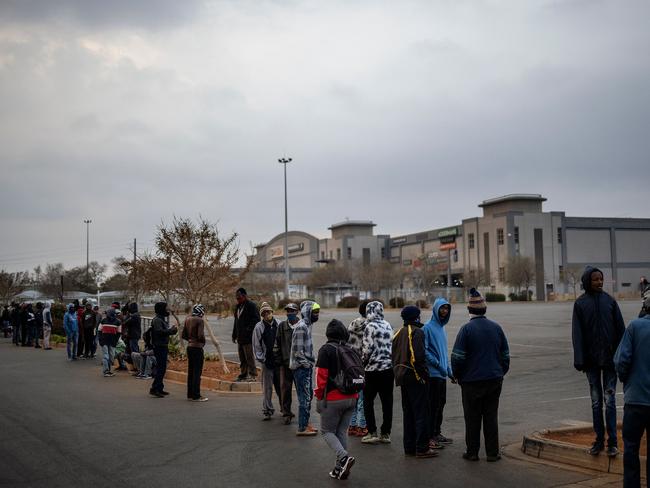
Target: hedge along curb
540,447
215,384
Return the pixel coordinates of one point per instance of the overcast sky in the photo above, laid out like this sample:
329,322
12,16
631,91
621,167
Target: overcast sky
407,113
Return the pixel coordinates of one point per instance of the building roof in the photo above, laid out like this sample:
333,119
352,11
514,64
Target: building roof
513,197
356,223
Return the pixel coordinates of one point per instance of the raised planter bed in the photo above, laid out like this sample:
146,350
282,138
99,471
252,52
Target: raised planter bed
213,377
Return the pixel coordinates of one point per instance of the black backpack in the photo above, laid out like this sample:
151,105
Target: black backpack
351,377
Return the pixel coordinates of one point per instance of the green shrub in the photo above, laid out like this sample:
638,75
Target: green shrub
396,302
495,297
57,339
349,302
521,296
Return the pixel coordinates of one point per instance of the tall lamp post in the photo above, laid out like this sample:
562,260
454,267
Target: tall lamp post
87,222
284,162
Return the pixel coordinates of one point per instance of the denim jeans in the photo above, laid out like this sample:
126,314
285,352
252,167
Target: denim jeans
109,357
71,344
602,383
303,380
636,420
134,345
358,418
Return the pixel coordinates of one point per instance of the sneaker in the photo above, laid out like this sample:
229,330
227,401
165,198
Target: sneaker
352,430
384,438
200,399
493,459
251,379
612,451
306,432
286,420
467,456
434,444
596,448
370,438
335,472
164,392
362,432
144,377
156,394
48,348
346,465
443,440
109,374
429,453
37,347
267,416
311,428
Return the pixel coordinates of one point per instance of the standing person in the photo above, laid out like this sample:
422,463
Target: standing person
377,360
283,354
133,328
264,335
410,368
355,342
98,319
632,363
80,309
109,330
302,363
88,321
160,332
47,326
435,346
30,317
194,334
644,286
6,320
26,319
38,324
71,332
15,324
480,359
598,327
246,318
335,406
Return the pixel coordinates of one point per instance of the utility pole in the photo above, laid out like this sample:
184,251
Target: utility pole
135,270
284,162
87,222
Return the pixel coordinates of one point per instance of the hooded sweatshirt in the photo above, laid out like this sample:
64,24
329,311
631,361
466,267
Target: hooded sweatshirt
377,340
356,328
264,335
160,329
110,329
133,323
302,346
47,315
327,365
435,342
70,320
597,327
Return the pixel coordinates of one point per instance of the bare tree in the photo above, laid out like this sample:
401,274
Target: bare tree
190,261
572,277
520,273
476,277
377,276
12,284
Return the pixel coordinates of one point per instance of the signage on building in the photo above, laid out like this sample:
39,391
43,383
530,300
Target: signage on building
296,247
394,260
399,240
451,231
446,247
433,254
447,239
407,262
276,252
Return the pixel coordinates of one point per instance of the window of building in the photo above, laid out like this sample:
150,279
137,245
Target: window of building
322,254
383,253
349,253
338,254
502,274
470,240
559,235
500,237
516,235
365,256
331,254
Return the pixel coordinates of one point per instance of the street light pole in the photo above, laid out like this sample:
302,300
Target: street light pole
284,162
87,222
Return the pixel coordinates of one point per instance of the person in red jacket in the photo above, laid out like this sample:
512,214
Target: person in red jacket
336,408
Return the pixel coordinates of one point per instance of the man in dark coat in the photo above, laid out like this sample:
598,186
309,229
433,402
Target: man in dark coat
160,333
246,317
598,327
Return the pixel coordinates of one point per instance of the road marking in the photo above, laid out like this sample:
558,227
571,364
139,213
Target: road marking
538,347
572,398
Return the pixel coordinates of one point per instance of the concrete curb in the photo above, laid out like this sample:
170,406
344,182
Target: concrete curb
540,447
214,384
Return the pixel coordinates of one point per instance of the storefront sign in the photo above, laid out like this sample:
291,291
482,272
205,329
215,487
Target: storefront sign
446,247
451,231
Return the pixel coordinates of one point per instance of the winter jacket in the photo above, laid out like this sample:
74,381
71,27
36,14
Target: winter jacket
194,331
435,342
283,342
409,358
302,346
47,316
632,362
597,327
377,340
480,352
70,321
110,329
133,324
327,366
264,336
247,315
88,319
355,329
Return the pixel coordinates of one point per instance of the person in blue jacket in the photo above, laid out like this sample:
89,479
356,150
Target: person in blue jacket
632,363
71,331
435,348
480,359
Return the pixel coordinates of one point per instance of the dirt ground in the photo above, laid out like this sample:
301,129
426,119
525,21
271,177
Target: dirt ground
211,369
587,438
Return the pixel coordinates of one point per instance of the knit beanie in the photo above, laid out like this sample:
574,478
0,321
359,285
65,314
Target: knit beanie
198,310
265,307
476,304
410,313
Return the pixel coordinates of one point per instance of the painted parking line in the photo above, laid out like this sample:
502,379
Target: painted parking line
572,398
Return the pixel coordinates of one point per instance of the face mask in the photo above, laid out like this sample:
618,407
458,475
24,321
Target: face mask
314,318
292,317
